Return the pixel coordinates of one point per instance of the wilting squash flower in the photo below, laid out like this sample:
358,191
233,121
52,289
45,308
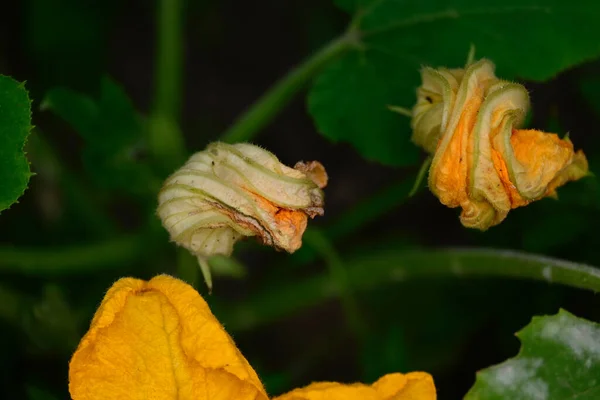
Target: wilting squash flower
159,340
227,192
482,162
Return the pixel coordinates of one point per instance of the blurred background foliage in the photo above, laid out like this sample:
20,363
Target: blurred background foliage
365,295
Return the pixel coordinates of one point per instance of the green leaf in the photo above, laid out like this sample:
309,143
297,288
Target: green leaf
559,359
113,134
348,100
66,40
15,125
35,393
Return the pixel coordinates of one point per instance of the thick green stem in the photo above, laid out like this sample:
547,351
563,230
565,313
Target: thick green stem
262,112
381,268
115,253
165,138
167,98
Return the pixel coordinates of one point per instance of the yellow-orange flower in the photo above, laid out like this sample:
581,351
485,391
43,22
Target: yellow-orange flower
158,340
468,119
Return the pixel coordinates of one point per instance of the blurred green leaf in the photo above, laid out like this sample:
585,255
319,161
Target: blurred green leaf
348,100
384,353
15,125
113,134
67,39
35,393
559,359
227,267
51,325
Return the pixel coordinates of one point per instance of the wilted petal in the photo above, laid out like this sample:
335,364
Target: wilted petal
230,191
158,340
482,162
412,386
435,100
534,159
450,166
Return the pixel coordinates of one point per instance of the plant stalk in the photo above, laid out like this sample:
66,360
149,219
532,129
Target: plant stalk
264,110
381,268
166,140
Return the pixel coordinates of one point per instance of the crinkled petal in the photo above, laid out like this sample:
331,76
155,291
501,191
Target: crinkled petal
533,160
240,190
412,386
450,165
158,340
482,162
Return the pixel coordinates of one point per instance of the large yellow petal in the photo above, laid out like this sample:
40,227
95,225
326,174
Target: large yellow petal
158,340
412,386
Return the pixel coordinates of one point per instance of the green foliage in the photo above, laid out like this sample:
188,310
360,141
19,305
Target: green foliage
416,291
113,135
558,360
34,393
395,38
15,125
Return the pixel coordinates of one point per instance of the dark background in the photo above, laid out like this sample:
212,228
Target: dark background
234,50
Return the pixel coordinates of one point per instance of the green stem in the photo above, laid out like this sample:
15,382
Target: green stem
165,138
268,105
376,269
167,98
115,253
420,176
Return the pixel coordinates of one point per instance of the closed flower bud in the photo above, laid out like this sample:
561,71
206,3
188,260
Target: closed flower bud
482,162
227,192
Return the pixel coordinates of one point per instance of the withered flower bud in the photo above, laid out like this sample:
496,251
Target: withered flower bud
469,119
227,192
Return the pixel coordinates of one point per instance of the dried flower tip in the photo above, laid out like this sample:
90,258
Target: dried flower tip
229,191
315,171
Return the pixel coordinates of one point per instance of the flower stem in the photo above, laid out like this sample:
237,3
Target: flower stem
165,139
377,269
262,112
115,253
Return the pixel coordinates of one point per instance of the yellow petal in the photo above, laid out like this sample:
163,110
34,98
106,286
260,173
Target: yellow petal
332,391
537,163
412,386
158,340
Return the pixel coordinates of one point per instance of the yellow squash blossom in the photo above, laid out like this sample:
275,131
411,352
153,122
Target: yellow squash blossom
482,162
158,340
